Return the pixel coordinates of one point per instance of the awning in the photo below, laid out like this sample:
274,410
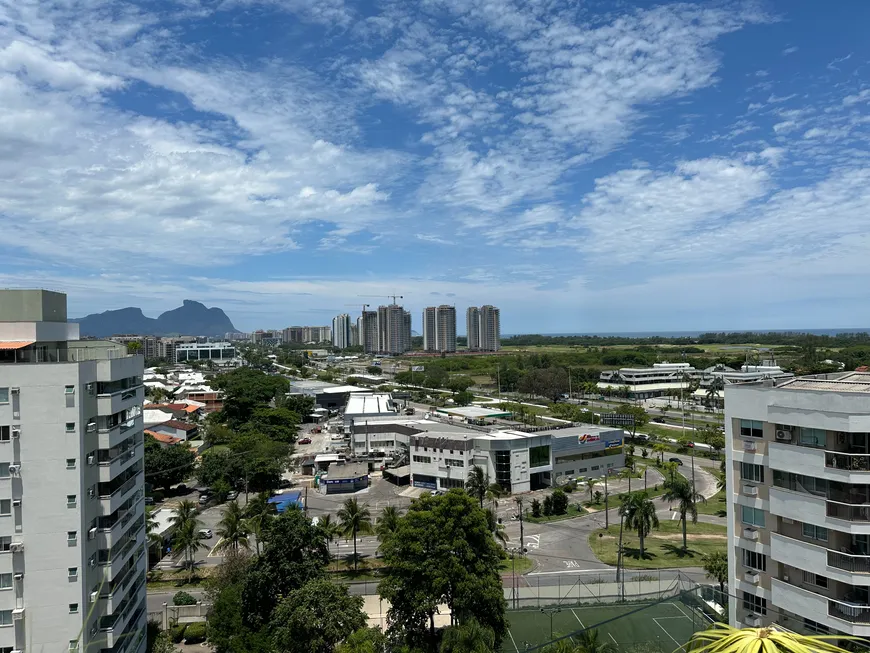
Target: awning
16,344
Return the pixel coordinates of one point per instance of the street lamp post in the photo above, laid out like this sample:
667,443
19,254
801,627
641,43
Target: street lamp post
551,612
606,502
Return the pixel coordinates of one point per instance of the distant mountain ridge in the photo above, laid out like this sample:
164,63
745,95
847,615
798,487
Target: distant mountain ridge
189,319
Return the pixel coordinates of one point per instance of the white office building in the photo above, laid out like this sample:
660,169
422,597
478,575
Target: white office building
341,336
645,382
222,353
72,530
490,328
472,328
798,457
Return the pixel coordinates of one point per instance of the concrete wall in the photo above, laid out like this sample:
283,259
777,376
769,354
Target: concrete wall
32,306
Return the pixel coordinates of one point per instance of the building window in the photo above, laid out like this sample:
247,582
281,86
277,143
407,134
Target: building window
751,428
5,507
4,470
754,560
816,532
70,501
70,427
595,468
582,470
816,627
5,433
5,617
73,608
72,573
69,389
5,581
815,579
73,645
539,456
752,516
6,649
422,459
454,462
756,604
570,472
750,472
70,463
812,438
71,537
5,543
800,483
4,395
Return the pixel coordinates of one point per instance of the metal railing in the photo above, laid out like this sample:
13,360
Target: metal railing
853,462
855,613
859,564
847,512
127,485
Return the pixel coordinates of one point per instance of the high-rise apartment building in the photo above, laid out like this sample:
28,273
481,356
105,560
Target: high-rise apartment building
72,529
394,329
445,329
367,326
429,331
490,328
472,327
341,331
294,334
798,462
354,334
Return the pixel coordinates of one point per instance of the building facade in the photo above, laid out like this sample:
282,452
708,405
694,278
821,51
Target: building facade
222,353
72,531
490,328
445,329
429,330
294,334
367,326
472,327
341,337
394,329
798,459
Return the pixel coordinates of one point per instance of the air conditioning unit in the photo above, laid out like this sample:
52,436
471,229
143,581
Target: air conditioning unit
16,391
92,533
748,445
18,614
783,435
94,596
16,432
753,621
16,503
750,490
750,534
752,577
91,493
16,547
14,469
92,562
787,520
92,459
132,453
19,576
91,427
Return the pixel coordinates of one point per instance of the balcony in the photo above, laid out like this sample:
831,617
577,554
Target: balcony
117,590
854,613
114,626
115,560
109,403
856,564
112,499
122,461
111,530
112,435
847,511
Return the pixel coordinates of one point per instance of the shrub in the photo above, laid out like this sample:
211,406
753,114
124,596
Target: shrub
183,598
195,633
548,505
560,502
176,633
536,508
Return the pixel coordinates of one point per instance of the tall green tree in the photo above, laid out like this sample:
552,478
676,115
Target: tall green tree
316,617
294,552
186,538
468,637
639,416
166,466
364,640
684,495
640,515
278,424
331,530
590,485
232,528
355,519
442,552
716,567
245,389
258,512
477,484
262,460
387,522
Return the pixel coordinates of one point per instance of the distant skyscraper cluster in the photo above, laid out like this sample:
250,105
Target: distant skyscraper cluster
483,327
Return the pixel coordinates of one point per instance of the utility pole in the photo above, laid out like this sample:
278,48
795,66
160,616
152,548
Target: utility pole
606,502
519,501
620,572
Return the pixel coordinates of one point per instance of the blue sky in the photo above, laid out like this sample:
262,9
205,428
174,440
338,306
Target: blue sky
619,166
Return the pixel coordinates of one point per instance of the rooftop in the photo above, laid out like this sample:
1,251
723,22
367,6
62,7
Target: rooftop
340,389
347,470
849,382
175,424
474,412
369,404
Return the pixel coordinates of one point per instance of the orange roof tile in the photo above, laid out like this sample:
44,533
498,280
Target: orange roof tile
165,438
16,344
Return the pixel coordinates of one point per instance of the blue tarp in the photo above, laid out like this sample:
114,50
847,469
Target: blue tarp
284,501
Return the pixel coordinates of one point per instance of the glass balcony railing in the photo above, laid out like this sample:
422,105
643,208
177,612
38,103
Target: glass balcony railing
848,512
853,462
855,613
857,564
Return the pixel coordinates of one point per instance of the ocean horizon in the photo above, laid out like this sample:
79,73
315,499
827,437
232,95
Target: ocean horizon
686,334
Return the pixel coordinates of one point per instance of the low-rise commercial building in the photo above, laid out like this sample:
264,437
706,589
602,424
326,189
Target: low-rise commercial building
344,477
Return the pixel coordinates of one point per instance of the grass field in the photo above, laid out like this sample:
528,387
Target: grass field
523,565
573,511
658,627
662,547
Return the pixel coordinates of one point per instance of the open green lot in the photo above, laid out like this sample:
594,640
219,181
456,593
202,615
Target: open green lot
663,547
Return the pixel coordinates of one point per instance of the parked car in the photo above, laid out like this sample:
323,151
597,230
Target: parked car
232,495
303,441
206,533
659,420
675,460
149,501
204,499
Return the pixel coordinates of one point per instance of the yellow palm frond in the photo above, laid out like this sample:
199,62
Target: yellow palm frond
722,638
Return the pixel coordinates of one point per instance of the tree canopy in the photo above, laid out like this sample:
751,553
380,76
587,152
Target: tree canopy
166,466
245,389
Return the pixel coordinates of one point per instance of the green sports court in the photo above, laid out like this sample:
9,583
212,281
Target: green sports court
663,625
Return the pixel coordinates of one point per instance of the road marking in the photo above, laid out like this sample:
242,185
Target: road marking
535,541
513,640
600,570
614,640
578,619
681,610
656,619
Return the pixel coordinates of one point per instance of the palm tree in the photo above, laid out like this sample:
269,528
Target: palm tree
467,637
720,483
151,527
684,495
589,642
493,493
640,515
232,528
590,485
186,538
660,450
355,520
721,638
496,528
716,567
330,528
258,511
387,522
717,385
477,484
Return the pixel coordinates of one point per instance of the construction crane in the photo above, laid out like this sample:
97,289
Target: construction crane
393,297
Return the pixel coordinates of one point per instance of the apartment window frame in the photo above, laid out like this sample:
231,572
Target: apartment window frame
5,432
71,500
819,533
4,395
72,537
816,579
816,627
72,573
73,608
751,428
7,581
815,438
754,521
4,470
6,619
751,472
5,543
69,389
70,427
70,463
754,603
6,649
754,560
423,460
5,507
